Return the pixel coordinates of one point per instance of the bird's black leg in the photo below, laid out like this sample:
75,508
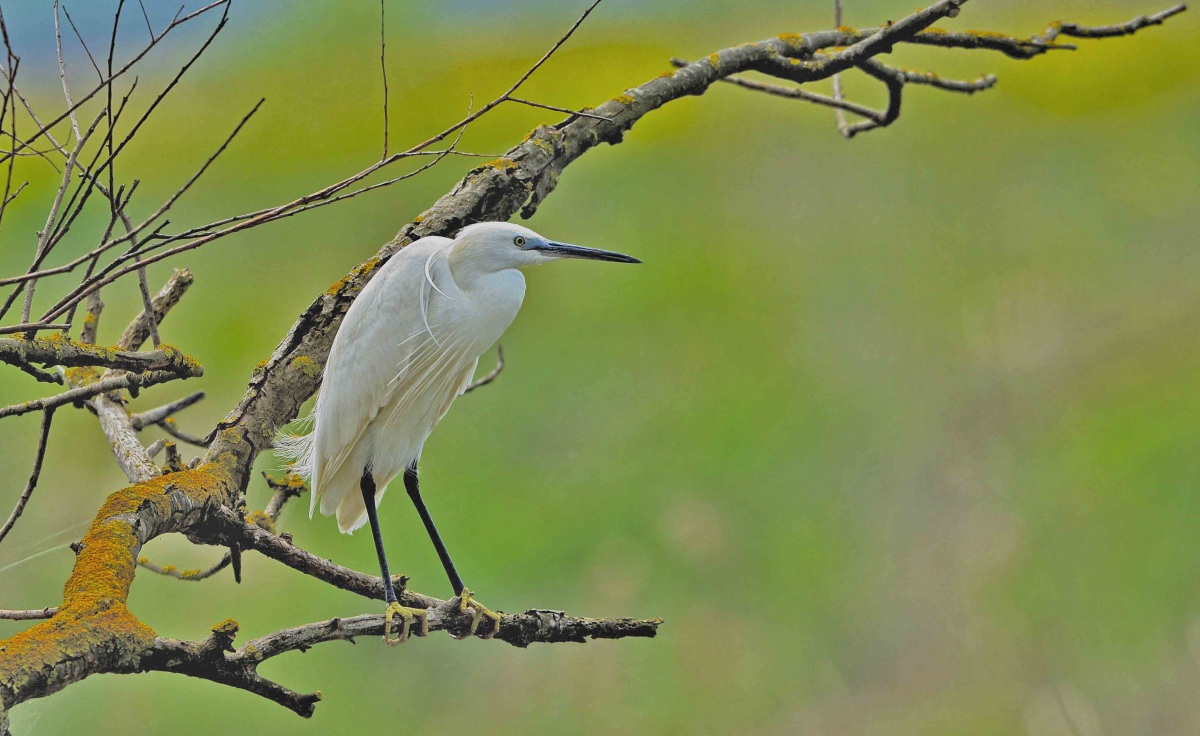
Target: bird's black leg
407,615
367,484
413,486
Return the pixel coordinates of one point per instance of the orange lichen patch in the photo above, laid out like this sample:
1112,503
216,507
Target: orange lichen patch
190,574
935,31
625,99
714,60
847,30
113,635
107,561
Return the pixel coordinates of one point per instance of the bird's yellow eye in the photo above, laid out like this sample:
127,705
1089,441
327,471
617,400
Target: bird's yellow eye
519,241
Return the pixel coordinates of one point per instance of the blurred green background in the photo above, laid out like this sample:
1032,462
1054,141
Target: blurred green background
899,435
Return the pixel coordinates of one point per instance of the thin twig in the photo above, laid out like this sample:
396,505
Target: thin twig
62,71
555,108
132,381
28,615
839,112
795,93
178,21
383,66
492,375
156,416
1117,29
33,327
39,456
168,425
44,243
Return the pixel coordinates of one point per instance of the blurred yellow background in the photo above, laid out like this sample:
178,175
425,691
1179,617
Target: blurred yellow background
899,435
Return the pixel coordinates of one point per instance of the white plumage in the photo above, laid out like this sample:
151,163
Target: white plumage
407,347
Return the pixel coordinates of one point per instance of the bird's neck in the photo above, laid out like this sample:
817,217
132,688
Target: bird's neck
470,265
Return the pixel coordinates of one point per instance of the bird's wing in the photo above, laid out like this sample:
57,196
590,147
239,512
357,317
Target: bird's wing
383,337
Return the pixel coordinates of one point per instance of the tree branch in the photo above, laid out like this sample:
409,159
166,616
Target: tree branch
60,350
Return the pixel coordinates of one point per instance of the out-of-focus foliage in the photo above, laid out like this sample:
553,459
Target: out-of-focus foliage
899,435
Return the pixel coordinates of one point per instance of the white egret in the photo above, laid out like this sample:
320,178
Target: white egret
407,347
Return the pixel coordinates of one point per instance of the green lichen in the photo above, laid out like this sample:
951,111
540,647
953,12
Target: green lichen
359,270
794,40
261,520
501,164
306,365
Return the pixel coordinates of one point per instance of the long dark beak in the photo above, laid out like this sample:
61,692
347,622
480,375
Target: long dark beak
564,250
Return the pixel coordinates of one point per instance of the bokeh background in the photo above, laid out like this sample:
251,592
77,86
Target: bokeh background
899,435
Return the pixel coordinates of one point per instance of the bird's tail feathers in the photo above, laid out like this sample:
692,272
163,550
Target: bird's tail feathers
296,450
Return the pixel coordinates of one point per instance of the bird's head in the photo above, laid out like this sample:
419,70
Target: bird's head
495,246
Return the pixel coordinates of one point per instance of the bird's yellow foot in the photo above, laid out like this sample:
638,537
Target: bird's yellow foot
407,617
478,611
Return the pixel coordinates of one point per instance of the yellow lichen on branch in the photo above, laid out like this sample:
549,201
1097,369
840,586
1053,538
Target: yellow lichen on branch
93,630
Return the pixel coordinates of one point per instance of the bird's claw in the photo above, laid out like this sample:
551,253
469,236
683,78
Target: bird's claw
407,617
478,611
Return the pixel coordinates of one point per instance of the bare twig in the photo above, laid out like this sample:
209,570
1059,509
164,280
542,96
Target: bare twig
492,374
795,93
44,243
383,67
555,108
1118,29
33,327
170,427
62,72
839,113
31,484
28,615
177,22
131,381
157,416
193,575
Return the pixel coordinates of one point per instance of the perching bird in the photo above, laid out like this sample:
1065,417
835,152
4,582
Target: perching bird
407,347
